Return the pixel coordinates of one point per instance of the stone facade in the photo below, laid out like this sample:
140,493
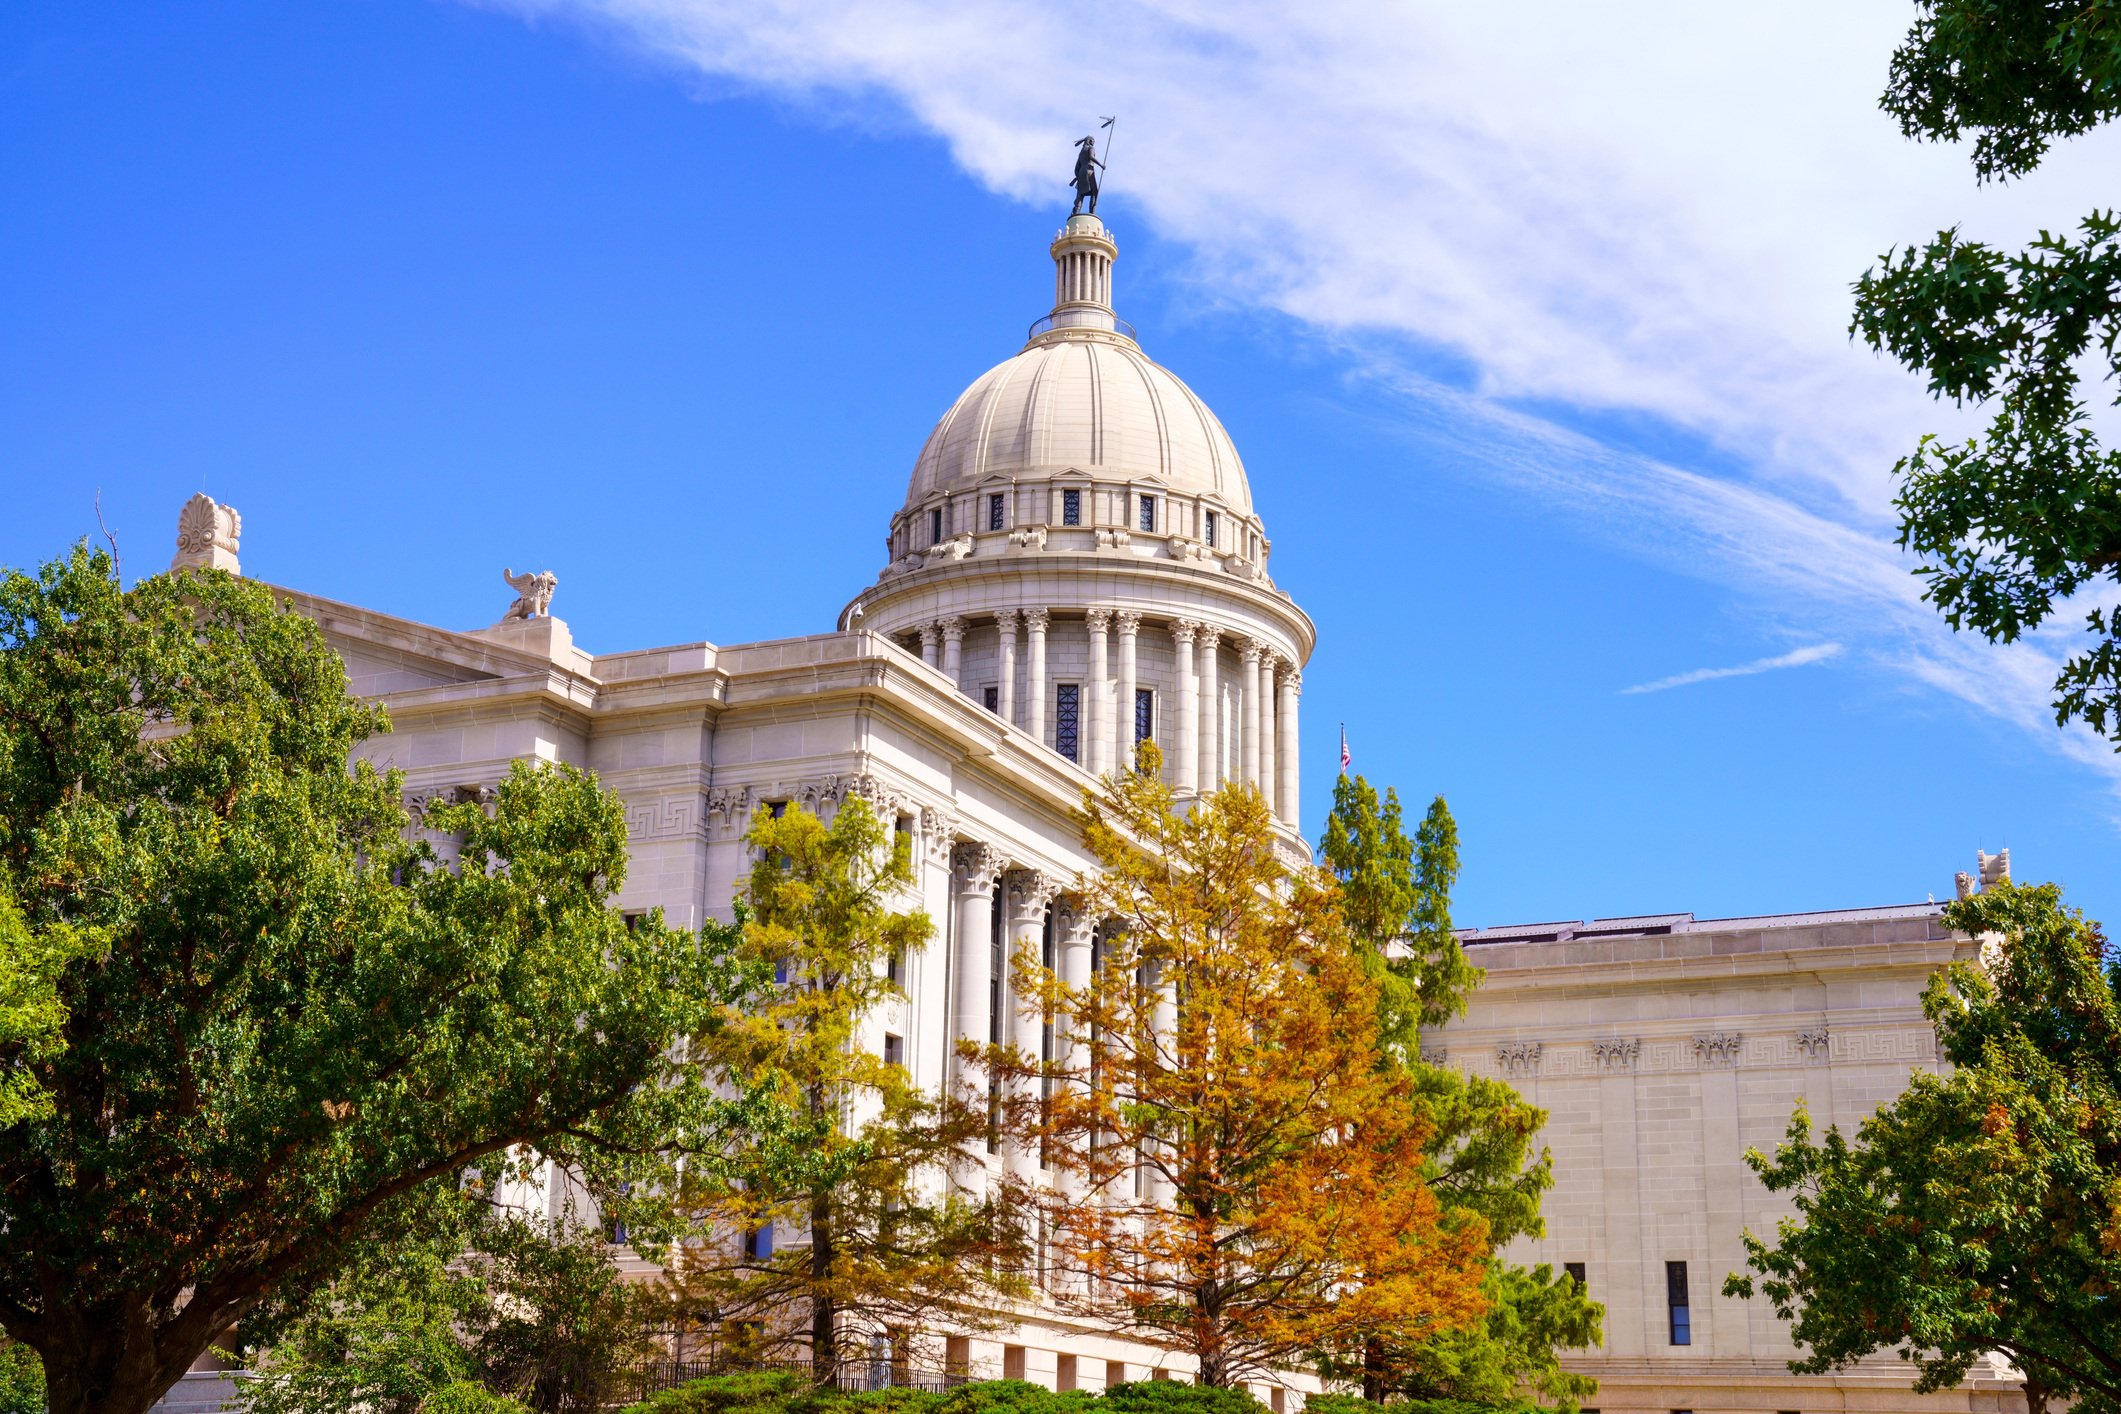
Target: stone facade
1662,1048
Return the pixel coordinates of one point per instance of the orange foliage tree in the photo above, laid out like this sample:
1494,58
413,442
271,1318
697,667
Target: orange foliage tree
1237,1177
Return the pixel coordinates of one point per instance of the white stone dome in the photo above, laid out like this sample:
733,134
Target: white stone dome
1082,401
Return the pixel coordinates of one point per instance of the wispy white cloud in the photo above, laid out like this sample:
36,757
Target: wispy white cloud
1655,210
1797,658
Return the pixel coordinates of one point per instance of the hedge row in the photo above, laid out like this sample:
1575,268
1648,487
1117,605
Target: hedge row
783,1392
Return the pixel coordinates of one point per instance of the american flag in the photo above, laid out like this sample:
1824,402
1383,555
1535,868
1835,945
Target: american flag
1344,757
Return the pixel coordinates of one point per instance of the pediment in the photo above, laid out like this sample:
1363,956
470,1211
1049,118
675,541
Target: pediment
388,656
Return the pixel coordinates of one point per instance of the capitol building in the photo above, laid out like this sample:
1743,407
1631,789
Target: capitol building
1078,565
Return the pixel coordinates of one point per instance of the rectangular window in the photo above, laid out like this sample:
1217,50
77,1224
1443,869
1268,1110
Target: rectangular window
1071,508
1064,1373
1115,1373
991,698
1207,529
935,526
778,809
758,1243
1144,715
894,1049
1682,1310
894,968
994,511
1067,720
1575,1271
1148,516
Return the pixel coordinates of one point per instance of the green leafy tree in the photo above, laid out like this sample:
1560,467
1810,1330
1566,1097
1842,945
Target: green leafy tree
2020,520
884,1245
526,1310
32,1018
1396,897
1482,1160
1982,1209
294,1024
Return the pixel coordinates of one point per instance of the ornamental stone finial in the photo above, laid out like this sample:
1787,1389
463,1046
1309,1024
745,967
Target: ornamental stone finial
207,536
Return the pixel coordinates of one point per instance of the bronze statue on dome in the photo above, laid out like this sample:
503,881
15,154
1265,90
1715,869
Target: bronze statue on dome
1085,179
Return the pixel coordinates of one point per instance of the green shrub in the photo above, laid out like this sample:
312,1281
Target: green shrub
1356,1404
21,1379
464,1397
1172,1397
754,1392
1013,1397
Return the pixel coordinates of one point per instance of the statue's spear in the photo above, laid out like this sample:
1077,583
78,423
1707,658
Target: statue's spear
1111,131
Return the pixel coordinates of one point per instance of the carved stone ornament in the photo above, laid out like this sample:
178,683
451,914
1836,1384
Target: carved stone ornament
949,551
1519,1057
207,536
1434,1055
1029,538
1182,548
533,593
1113,539
1719,1049
729,807
1813,1044
1615,1055
976,867
938,827
1029,893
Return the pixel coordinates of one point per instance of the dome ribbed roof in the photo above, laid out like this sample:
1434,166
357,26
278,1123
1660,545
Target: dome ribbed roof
1088,403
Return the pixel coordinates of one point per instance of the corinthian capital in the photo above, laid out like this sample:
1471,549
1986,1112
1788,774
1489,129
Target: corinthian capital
1184,631
1252,650
1005,620
975,867
1037,619
1098,619
1128,621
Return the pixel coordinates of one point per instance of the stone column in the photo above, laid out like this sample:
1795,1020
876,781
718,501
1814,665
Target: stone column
1186,758
1097,696
1266,728
1077,927
1248,689
1005,691
1035,621
1285,759
954,651
1129,623
1030,893
928,635
1211,709
1163,1024
976,867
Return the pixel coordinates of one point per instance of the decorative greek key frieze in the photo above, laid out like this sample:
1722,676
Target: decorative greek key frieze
672,817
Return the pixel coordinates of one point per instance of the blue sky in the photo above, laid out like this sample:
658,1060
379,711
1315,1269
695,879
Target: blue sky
1532,339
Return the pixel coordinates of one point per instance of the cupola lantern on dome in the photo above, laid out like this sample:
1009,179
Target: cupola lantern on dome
1083,253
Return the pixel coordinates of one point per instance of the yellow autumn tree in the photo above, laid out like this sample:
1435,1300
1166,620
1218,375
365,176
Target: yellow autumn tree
1237,1179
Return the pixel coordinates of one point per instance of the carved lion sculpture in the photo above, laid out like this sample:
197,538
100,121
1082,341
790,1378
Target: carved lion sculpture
533,593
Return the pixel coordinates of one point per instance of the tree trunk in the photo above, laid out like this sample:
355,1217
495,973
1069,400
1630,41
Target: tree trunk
1373,1370
824,1311
111,1371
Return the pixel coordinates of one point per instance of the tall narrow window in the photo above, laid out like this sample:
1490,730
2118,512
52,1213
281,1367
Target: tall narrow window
935,526
991,698
1071,508
894,1049
1067,720
994,511
1148,516
758,1243
1682,1311
1144,715
1575,1271
1207,533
